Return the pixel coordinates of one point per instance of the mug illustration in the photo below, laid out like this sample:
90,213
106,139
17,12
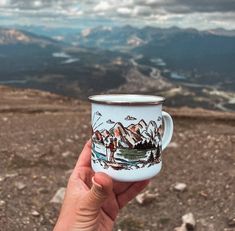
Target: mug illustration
134,146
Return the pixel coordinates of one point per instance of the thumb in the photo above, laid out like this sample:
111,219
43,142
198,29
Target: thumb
102,186
89,206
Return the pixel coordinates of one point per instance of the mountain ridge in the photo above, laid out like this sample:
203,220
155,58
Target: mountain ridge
179,63
15,36
32,101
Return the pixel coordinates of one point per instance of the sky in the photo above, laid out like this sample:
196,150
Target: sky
200,14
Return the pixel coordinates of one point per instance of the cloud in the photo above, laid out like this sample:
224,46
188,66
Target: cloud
174,6
27,4
124,11
207,5
98,113
130,118
142,11
185,6
38,4
110,122
196,13
102,6
4,3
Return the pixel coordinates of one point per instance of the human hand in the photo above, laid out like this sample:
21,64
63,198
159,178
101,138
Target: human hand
92,200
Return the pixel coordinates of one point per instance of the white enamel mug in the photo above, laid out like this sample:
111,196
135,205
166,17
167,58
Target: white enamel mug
127,136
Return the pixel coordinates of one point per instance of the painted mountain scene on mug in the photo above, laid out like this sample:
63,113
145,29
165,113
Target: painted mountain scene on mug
135,146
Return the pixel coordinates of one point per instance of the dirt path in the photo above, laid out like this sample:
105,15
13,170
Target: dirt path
38,149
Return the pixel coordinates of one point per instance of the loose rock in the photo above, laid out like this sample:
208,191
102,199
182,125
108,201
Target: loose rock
146,197
20,185
69,140
189,221
35,213
181,228
76,137
43,190
2,203
173,145
67,154
2,178
68,172
231,222
59,196
25,220
5,119
10,175
188,224
180,187
203,194
84,126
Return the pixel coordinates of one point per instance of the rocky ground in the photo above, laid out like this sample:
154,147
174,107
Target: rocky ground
41,136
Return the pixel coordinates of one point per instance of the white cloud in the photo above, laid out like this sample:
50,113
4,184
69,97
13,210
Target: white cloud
152,1
124,11
37,3
142,11
102,6
4,3
198,13
74,11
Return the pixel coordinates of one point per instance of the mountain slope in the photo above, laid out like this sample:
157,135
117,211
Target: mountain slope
193,49
14,36
142,61
42,136
33,61
185,49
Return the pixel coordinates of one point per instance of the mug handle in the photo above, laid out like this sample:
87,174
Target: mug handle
168,129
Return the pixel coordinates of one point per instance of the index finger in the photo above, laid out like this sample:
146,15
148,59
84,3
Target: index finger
84,159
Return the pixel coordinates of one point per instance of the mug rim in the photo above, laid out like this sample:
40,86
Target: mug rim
127,99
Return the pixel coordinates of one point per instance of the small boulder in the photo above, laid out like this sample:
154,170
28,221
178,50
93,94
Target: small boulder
68,140
5,119
35,213
146,197
180,187
231,222
20,185
59,196
173,145
11,175
181,228
2,203
189,221
67,154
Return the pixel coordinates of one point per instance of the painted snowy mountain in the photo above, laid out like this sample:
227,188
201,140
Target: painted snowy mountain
139,136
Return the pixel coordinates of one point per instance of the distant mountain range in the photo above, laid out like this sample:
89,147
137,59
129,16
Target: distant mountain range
34,61
221,31
187,49
173,62
66,33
